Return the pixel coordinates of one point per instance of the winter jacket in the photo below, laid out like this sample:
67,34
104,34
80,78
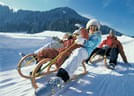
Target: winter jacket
92,42
113,42
66,44
107,42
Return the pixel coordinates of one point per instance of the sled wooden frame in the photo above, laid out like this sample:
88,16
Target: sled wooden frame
35,73
52,61
20,65
103,57
39,74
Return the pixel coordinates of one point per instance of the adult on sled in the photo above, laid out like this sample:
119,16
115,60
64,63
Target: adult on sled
111,47
88,42
51,51
47,54
43,56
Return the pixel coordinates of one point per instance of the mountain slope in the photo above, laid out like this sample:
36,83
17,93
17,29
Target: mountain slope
58,19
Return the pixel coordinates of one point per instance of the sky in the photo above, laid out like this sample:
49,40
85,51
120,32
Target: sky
118,14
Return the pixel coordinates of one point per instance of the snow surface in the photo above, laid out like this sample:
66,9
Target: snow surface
98,82
1,3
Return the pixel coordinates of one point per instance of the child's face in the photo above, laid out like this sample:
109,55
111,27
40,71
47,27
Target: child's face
93,28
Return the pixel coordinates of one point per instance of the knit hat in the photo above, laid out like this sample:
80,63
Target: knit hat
93,22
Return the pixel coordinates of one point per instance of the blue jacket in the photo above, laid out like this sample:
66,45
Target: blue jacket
93,41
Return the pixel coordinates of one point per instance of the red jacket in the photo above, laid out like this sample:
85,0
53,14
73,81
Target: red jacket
66,44
112,42
109,42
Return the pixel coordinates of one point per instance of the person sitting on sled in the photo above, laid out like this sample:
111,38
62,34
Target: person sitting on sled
87,43
111,47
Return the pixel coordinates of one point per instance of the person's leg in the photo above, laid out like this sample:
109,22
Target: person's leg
97,51
113,55
107,52
74,61
47,53
101,52
106,55
62,73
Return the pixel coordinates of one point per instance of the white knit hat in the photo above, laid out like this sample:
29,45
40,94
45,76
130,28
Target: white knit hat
93,22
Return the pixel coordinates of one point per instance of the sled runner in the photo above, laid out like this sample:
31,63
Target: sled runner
24,65
27,64
95,58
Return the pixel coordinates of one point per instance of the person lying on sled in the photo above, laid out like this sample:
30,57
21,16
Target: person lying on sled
46,54
52,52
111,47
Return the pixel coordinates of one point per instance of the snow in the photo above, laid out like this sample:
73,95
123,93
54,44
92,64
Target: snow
4,4
64,12
1,3
99,81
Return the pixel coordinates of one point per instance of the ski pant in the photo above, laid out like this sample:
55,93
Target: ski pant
99,51
111,53
72,63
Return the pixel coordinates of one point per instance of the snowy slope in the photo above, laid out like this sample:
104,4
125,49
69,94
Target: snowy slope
11,44
98,82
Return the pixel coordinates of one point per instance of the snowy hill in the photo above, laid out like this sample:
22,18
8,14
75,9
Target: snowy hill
98,82
11,44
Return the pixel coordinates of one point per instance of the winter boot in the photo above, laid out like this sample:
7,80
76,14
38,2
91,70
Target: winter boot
111,66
